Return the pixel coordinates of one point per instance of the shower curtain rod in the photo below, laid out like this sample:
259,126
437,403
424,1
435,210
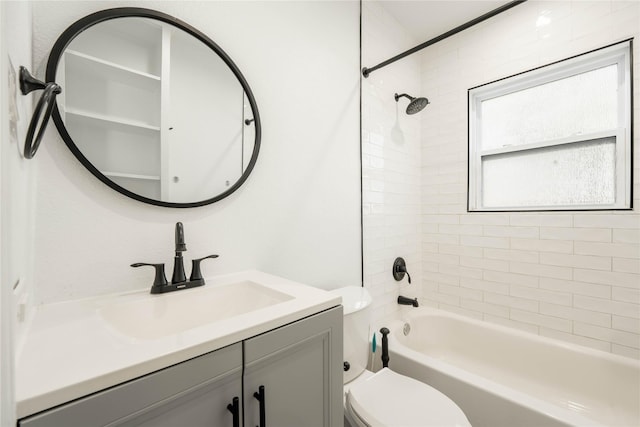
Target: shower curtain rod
366,71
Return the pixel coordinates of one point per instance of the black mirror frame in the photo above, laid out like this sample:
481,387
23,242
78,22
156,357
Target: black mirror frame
104,15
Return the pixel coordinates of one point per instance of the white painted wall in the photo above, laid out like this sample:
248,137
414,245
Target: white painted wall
16,194
533,271
390,163
297,216
6,344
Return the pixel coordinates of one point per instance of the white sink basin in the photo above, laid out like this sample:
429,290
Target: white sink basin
155,316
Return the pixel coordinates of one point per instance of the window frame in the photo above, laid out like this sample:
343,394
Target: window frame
618,53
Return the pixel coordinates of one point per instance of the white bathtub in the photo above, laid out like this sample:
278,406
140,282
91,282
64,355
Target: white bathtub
504,377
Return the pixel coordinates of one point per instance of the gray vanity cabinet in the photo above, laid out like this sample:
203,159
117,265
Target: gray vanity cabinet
297,365
300,370
192,393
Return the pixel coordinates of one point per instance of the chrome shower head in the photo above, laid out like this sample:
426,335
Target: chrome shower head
416,105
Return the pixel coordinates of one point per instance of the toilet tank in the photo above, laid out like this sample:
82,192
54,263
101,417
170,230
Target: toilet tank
357,316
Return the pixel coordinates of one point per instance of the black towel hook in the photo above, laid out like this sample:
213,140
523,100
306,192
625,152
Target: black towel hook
42,112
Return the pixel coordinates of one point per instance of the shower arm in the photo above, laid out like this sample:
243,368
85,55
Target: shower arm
396,96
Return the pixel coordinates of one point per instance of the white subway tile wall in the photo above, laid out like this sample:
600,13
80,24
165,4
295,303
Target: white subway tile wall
572,276
391,164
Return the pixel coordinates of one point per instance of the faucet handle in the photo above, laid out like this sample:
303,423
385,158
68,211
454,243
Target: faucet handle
160,279
196,274
400,269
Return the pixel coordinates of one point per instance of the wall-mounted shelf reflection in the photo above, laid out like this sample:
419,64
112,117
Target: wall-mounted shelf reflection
95,66
130,176
110,119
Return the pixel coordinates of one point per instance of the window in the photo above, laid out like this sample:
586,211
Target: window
554,138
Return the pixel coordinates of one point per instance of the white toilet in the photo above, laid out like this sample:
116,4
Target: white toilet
385,398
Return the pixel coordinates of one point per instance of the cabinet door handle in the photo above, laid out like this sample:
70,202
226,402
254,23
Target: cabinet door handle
234,408
260,396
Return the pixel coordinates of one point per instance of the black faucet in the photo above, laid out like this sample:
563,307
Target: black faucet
178,279
407,301
178,261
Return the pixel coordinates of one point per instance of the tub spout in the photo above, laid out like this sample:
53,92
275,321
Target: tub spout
407,301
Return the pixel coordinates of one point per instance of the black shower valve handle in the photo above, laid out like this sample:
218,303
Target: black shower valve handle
160,279
404,270
400,269
196,274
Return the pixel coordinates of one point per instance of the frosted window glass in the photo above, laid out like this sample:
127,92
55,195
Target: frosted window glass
581,173
579,104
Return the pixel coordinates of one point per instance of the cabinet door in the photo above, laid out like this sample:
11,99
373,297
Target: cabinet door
299,368
193,393
204,406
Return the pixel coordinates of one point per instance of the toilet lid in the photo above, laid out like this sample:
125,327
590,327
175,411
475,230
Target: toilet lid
391,399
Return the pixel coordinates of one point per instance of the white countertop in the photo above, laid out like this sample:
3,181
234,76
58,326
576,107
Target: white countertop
71,351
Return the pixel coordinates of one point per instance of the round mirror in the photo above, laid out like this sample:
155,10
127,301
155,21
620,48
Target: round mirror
154,108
